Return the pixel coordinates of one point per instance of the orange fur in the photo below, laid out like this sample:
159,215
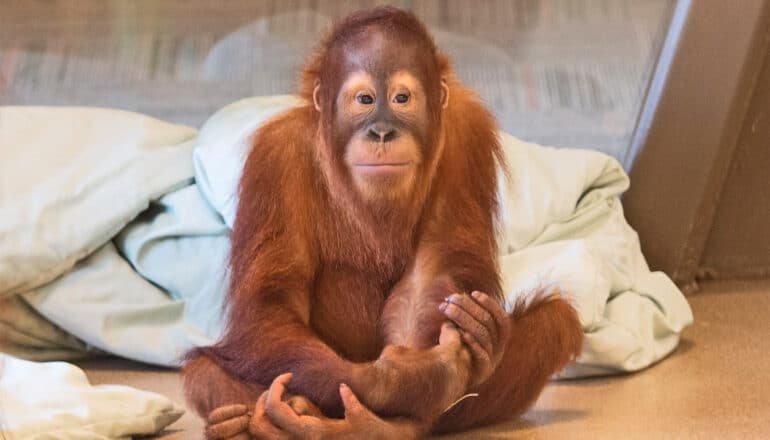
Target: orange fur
335,291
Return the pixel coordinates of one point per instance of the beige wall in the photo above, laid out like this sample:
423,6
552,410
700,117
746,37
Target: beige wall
739,243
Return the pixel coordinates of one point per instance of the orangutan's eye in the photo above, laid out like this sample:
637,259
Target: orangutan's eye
401,98
364,98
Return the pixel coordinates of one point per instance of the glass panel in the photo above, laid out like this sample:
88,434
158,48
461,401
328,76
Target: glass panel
568,73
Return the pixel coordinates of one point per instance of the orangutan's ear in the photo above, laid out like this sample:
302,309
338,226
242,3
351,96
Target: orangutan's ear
444,93
316,90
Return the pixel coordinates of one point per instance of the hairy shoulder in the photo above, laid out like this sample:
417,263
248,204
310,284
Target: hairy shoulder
280,170
284,144
472,148
471,129
276,193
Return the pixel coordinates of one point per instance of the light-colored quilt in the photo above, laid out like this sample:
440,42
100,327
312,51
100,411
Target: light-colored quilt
114,236
55,401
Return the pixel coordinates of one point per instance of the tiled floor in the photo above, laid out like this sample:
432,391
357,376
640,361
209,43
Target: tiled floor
568,73
715,386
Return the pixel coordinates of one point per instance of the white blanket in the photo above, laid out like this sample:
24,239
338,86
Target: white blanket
149,286
49,401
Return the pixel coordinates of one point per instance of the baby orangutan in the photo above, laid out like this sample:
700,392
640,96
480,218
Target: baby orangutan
364,238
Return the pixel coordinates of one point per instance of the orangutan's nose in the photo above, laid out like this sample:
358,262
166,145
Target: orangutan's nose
382,132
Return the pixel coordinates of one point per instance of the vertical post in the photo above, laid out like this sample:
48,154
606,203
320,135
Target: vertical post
686,135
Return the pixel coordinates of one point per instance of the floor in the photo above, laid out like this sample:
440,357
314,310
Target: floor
716,385
568,73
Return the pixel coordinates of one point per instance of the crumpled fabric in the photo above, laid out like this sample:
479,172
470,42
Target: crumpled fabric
54,400
156,288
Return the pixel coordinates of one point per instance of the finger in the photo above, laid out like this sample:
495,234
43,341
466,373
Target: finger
277,410
259,408
482,357
353,406
349,400
302,406
277,388
466,322
260,425
283,379
501,317
477,311
225,413
242,436
449,335
228,428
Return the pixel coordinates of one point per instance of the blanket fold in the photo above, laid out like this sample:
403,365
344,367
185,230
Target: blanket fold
54,400
118,233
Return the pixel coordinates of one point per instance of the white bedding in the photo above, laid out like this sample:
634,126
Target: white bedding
75,250
55,401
